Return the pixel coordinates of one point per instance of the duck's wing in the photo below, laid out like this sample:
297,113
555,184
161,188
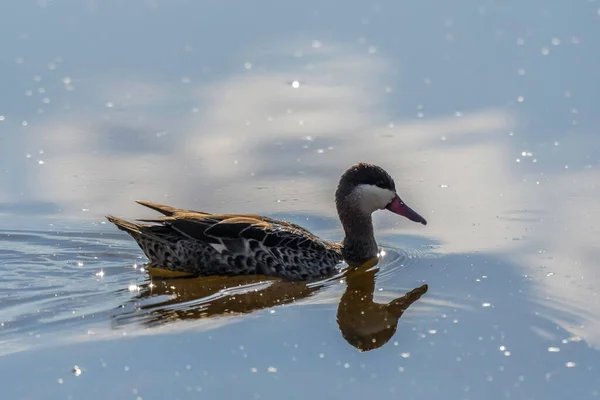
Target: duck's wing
203,218
170,211
231,231
166,210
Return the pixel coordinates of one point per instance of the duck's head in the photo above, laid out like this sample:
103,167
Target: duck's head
365,188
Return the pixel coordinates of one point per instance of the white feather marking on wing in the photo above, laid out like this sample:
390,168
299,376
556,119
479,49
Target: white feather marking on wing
247,251
219,247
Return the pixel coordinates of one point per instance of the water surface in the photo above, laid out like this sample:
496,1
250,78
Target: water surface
485,114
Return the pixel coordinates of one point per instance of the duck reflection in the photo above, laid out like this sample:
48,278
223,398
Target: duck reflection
211,297
364,324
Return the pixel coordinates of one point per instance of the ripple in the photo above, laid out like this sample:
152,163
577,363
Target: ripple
396,260
49,281
50,285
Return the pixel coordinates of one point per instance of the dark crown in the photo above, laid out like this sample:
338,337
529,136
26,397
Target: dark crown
367,174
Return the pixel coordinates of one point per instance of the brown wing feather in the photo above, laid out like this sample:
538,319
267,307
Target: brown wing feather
183,213
167,210
210,227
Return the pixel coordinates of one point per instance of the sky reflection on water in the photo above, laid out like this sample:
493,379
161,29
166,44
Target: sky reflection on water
484,113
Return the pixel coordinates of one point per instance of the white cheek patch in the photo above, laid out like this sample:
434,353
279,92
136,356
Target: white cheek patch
372,198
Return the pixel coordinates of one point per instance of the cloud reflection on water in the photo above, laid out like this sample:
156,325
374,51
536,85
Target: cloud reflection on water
254,143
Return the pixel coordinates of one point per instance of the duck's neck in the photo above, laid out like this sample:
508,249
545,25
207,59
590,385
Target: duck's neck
359,240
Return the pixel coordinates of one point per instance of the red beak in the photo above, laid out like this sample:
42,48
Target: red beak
397,206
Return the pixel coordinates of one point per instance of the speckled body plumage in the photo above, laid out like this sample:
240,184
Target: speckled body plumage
225,244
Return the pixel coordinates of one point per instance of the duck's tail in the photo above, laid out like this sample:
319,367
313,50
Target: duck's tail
130,227
156,241
144,233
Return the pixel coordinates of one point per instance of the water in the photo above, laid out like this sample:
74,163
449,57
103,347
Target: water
485,114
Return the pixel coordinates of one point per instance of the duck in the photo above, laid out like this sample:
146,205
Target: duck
188,242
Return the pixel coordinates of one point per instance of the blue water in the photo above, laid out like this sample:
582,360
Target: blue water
485,113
